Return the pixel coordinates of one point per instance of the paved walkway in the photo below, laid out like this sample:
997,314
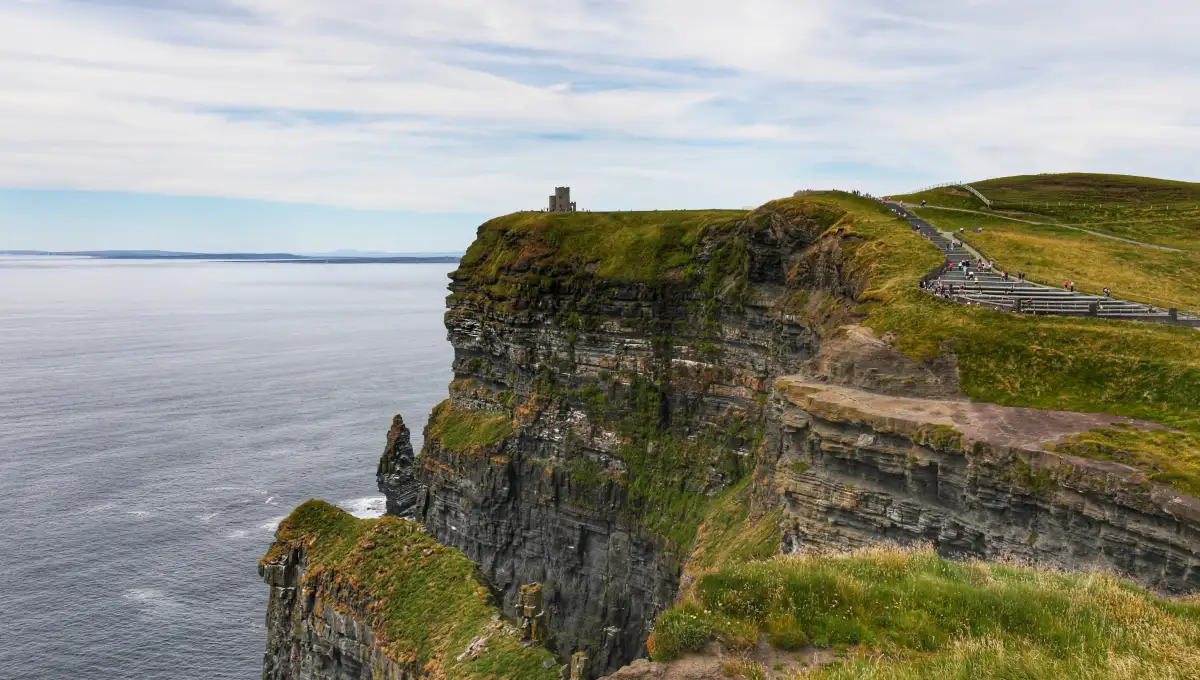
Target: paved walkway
963,281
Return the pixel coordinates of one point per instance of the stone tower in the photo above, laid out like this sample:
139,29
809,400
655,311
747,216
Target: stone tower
560,201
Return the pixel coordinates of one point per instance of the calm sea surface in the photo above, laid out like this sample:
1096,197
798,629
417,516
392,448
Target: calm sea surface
157,420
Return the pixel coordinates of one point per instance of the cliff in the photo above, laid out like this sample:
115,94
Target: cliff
637,395
380,599
978,481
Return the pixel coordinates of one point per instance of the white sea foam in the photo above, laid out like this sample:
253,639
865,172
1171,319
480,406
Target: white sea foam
273,524
151,599
139,513
208,517
240,533
98,508
272,501
365,508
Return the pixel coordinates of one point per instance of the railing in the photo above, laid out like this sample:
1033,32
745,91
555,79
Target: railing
978,195
964,185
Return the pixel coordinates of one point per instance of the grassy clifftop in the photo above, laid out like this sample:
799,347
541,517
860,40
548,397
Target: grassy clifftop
425,602
633,247
1131,369
900,615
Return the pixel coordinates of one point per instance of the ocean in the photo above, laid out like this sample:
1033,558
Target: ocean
158,419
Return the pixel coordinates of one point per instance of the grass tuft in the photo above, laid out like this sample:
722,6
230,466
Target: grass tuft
912,614
466,431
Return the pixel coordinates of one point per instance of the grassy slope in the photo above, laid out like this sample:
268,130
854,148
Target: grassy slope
911,614
463,431
1051,255
426,603
1158,211
1139,370
1154,211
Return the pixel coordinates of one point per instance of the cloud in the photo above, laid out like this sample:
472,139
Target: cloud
483,106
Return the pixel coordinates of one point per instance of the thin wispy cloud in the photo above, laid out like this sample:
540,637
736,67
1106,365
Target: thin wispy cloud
482,106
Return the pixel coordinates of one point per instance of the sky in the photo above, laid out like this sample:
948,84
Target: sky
401,125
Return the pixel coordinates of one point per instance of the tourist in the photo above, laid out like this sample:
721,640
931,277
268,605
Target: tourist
1107,292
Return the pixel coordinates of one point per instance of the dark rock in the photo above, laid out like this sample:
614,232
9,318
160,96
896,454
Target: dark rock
396,475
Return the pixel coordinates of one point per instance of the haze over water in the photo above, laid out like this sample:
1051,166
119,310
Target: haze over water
157,419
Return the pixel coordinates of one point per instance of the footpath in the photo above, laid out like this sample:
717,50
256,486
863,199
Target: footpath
963,280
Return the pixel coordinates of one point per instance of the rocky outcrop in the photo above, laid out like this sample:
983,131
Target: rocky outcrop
853,468
308,639
396,474
379,599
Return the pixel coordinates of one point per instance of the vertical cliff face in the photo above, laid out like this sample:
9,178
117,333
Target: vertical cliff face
597,411
356,599
616,375
309,638
850,468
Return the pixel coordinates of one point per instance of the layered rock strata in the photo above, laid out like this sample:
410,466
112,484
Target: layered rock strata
599,409
308,639
624,404
379,599
854,468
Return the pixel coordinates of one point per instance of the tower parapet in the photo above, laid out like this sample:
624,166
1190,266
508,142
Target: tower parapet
560,200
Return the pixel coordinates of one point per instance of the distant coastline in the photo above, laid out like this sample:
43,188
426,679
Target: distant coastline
243,257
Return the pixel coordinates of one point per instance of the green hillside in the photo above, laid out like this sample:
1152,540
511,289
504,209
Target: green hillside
911,615
1150,211
1139,370
1162,212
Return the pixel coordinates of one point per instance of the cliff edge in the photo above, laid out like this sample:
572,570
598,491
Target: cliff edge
380,599
622,380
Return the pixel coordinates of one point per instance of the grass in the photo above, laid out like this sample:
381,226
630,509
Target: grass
1138,370
1168,457
909,614
731,535
1163,212
1051,255
424,602
621,246
1131,369
466,431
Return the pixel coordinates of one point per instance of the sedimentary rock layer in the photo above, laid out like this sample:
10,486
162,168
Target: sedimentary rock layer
623,404
976,480
309,639
356,599
613,379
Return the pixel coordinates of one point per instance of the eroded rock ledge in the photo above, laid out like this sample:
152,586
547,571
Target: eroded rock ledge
355,599
975,480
